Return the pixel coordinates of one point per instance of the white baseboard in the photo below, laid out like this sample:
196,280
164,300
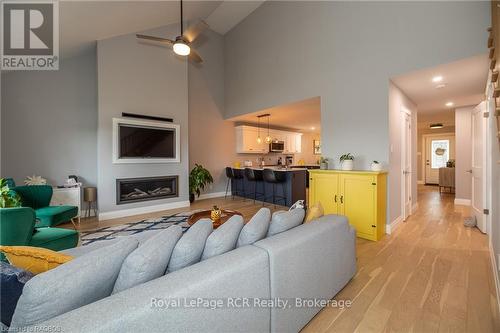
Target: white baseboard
463,202
212,195
494,267
421,182
390,228
414,208
142,210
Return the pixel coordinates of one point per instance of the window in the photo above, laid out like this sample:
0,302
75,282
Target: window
440,153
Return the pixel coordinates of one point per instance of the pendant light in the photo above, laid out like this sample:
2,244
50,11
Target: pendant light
259,140
268,137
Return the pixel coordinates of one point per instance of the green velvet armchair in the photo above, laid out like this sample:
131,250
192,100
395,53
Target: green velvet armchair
17,227
38,197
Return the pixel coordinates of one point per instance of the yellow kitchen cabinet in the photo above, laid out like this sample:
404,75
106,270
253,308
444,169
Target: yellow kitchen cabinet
359,195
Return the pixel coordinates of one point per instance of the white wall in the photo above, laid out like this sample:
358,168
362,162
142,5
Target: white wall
49,122
463,153
144,79
345,52
398,101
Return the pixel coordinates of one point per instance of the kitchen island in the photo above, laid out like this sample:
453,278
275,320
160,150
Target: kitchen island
294,186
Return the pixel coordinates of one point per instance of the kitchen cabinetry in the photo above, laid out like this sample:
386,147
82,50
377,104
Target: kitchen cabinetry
246,141
359,195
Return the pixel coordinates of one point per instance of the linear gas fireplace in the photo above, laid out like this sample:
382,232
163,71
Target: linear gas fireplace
146,188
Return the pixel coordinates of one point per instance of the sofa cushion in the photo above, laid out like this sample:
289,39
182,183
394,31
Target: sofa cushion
34,259
51,216
189,248
149,261
224,238
12,280
56,239
77,283
255,229
285,220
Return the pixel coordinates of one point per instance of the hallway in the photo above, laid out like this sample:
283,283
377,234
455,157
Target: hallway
431,275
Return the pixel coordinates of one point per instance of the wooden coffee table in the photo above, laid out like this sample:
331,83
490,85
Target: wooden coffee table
205,214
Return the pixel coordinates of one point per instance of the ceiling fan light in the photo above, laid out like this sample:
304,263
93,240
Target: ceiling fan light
181,48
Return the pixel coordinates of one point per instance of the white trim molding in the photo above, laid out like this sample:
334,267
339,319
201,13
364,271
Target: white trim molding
142,210
212,195
495,268
462,202
390,228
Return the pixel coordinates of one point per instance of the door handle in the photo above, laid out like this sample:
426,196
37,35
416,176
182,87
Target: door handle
341,199
469,171
335,198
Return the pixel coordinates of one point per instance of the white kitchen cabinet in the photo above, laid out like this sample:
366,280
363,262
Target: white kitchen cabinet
290,143
246,141
298,143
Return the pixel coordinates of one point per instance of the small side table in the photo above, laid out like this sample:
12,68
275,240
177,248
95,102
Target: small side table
90,197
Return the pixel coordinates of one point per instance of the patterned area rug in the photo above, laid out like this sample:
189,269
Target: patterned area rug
127,229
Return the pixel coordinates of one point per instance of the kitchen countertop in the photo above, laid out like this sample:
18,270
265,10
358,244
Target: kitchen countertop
275,168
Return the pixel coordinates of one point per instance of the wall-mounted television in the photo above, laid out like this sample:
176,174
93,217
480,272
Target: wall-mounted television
138,141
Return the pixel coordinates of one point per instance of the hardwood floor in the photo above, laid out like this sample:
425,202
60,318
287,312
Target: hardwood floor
431,275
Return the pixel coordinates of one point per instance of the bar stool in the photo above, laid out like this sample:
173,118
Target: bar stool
275,177
229,175
255,177
238,176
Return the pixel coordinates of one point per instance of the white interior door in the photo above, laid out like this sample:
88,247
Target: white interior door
438,150
406,164
478,165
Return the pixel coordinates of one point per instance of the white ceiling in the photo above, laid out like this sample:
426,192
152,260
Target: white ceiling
301,116
465,82
84,22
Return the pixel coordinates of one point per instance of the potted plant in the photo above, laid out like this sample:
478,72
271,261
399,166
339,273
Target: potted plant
376,166
8,198
199,177
347,162
323,163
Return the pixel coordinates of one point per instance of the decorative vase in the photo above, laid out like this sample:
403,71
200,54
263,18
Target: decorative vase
215,214
323,166
191,197
376,167
347,165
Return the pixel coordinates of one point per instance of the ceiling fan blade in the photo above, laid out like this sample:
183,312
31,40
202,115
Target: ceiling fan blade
195,57
194,30
156,39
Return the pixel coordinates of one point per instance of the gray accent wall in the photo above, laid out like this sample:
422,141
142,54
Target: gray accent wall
144,79
49,122
346,53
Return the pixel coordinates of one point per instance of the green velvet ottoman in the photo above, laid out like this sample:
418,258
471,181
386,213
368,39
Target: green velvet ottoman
56,239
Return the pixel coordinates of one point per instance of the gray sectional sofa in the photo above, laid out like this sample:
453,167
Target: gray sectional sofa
233,292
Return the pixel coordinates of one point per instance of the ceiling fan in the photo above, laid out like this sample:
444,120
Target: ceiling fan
182,44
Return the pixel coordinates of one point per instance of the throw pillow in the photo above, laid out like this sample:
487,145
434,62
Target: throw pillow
224,238
189,248
282,221
12,280
81,281
255,229
314,212
149,261
34,259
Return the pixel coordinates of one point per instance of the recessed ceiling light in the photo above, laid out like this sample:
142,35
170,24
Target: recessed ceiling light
313,128
435,126
449,104
437,78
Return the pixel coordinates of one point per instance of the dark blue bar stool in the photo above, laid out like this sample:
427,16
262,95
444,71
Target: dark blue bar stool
238,176
275,177
255,177
229,175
